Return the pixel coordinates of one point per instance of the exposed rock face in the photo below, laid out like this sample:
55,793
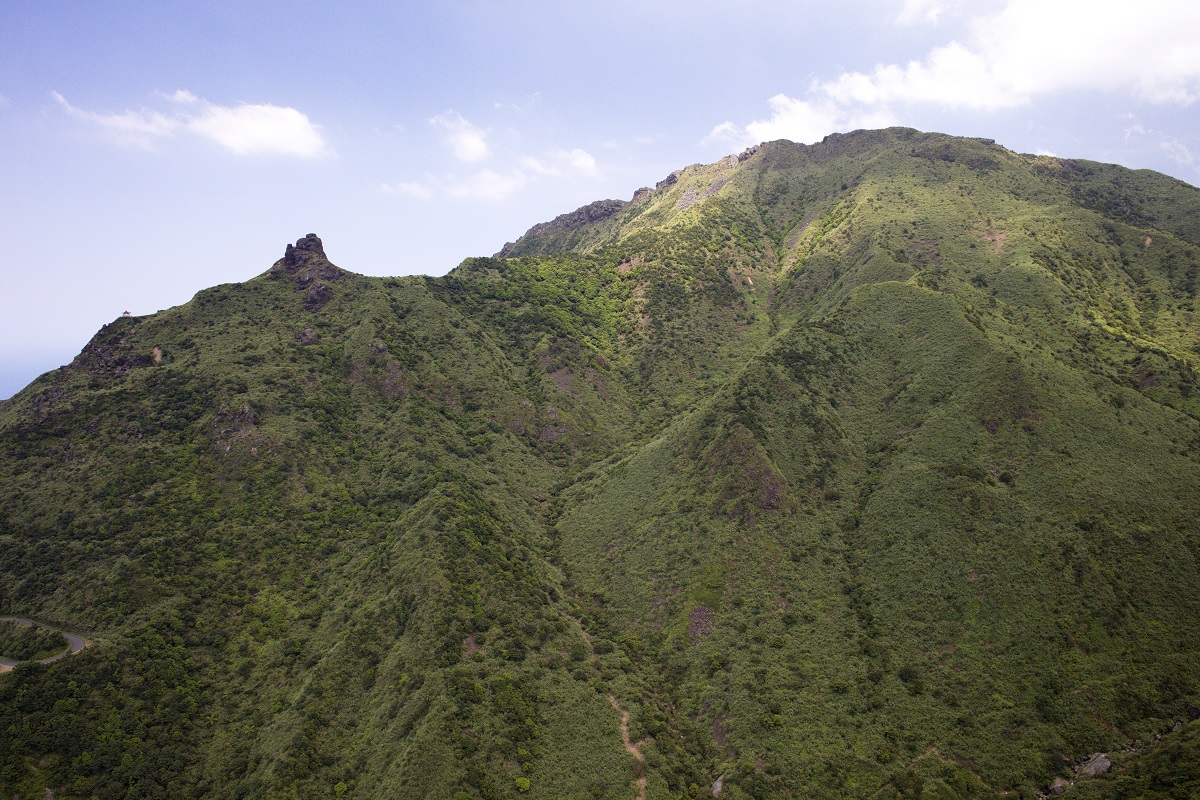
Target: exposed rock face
670,180
1098,764
314,273
112,352
305,250
318,295
563,223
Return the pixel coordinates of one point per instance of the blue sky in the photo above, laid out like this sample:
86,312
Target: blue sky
149,150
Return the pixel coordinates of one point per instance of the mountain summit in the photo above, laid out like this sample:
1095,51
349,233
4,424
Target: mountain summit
313,271
865,469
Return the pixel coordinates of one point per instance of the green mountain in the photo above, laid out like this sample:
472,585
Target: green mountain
864,469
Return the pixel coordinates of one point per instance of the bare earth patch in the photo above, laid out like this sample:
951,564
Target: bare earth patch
700,621
996,239
562,379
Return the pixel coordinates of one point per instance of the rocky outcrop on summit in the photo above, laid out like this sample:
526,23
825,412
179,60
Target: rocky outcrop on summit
668,181
305,250
561,225
314,273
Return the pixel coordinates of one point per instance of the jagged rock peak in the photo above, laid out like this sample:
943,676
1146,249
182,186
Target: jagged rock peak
592,212
314,273
670,180
304,250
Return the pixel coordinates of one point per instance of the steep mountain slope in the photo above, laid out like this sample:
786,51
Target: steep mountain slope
865,469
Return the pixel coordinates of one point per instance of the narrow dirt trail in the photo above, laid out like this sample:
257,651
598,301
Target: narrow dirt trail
633,748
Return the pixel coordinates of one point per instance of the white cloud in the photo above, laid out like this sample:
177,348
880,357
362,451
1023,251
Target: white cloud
181,96
1034,47
801,121
539,167
806,121
928,11
488,184
1174,148
131,127
1135,128
724,133
1014,56
950,76
411,188
496,184
531,100
254,129
563,162
246,129
580,161
1178,152
468,142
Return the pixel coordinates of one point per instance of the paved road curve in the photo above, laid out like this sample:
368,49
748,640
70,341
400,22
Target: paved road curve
77,643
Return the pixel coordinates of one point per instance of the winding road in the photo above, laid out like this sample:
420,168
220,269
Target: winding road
77,643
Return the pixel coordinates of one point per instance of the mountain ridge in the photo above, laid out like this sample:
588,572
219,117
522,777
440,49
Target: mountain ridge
860,469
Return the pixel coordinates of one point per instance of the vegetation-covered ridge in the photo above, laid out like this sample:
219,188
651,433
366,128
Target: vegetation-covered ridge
863,469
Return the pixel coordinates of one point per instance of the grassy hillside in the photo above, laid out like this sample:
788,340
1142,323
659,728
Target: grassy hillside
865,469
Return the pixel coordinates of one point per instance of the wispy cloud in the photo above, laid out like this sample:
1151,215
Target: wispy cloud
487,184
421,191
468,141
801,121
530,101
562,162
1025,51
1134,129
538,166
580,161
1177,151
245,129
926,11
141,128
493,185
